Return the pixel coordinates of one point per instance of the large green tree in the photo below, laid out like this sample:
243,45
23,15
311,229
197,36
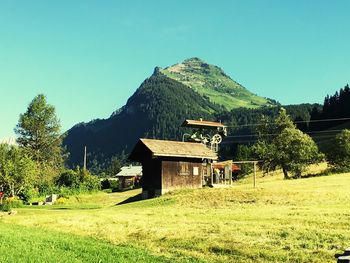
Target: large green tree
265,148
282,145
295,151
38,131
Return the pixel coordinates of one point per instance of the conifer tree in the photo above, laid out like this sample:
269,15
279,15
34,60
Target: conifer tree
38,131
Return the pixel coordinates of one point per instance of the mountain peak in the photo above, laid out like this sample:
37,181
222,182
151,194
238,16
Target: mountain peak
157,70
193,60
212,83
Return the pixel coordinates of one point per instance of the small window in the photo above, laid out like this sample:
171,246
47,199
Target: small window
184,168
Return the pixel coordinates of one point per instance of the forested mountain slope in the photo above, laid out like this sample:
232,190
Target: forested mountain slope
155,110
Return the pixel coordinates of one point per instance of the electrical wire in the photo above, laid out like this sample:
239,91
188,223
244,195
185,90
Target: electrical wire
328,137
275,134
296,122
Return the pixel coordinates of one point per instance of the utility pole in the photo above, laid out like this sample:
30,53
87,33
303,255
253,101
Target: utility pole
84,158
254,183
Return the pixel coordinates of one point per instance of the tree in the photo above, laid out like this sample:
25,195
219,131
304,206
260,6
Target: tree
295,151
38,131
114,166
18,172
265,148
339,154
243,153
282,145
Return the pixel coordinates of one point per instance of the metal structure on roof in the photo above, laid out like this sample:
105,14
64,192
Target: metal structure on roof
207,132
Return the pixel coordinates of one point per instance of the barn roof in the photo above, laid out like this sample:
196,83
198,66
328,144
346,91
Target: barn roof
176,149
130,171
201,123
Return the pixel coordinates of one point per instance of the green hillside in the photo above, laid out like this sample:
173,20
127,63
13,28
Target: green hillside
211,82
305,220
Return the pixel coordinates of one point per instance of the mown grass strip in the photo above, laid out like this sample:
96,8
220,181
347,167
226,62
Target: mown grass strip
28,244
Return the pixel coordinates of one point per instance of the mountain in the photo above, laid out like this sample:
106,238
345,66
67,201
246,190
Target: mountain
212,83
155,110
158,108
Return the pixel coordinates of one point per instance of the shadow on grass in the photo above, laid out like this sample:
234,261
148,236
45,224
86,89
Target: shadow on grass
132,199
327,172
77,207
316,175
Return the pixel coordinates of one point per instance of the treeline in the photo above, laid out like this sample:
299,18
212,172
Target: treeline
281,145
253,132
243,124
336,106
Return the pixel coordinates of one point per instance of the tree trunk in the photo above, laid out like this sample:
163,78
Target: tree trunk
285,173
12,190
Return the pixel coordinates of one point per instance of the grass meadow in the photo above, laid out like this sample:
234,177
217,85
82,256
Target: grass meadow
304,220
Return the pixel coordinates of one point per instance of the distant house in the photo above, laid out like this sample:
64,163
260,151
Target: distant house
129,176
169,165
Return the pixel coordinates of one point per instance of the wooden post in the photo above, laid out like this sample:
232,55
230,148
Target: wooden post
254,174
211,175
85,158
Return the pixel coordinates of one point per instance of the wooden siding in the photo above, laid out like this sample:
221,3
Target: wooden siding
181,174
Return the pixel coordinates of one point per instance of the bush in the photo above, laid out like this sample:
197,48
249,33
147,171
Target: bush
10,203
109,184
77,181
27,194
105,184
61,201
68,178
114,185
47,189
90,182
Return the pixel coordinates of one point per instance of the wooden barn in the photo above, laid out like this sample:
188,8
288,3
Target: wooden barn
169,165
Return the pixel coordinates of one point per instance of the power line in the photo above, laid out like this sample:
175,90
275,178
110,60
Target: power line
296,122
328,137
275,134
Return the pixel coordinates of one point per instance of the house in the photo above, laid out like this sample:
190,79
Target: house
129,176
169,165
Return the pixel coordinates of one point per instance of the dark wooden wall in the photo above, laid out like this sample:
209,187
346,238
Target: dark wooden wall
151,176
180,174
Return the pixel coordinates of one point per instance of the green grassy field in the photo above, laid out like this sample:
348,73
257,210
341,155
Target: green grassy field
305,220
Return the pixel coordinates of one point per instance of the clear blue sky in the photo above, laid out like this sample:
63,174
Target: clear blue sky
88,57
